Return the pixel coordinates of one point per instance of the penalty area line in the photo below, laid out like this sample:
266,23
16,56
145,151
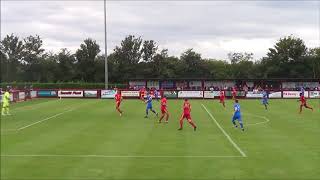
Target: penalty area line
106,156
262,117
48,118
56,115
225,133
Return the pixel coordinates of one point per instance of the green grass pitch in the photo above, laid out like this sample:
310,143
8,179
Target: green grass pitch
85,139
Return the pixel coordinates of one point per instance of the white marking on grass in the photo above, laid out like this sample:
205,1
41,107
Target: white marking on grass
48,118
108,156
224,132
263,122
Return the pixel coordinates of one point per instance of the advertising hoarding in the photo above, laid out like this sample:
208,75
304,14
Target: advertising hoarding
293,94
47,93
108,94
170,94
130,93
211,94
70,93
190,94
91,93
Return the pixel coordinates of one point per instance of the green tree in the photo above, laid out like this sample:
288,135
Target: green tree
99,68
66,65
32,55
288,49
237,57
127,56
130,50
313,61
149,50
3,61
191,61
160,65
11,48
49,69
216,69
86,56
285,59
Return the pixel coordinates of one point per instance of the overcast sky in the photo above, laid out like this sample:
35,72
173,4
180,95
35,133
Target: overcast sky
212,28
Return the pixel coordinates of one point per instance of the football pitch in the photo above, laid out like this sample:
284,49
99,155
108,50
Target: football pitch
86,139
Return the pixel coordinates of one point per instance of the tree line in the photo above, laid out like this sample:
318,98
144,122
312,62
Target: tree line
25,60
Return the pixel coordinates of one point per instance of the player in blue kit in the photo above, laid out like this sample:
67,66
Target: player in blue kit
149,105
265,99
237,115
301,91
156,94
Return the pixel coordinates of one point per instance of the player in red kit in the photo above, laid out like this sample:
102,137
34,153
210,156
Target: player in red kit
234,93
187,115
303,103
142,93
222,97
118,99
164,109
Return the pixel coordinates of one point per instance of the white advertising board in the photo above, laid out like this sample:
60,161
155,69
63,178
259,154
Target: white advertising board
91,93
33,94
190,94
293,94
70,93
314,94
130,93
211,94
108,94
252,94
22,95
275,95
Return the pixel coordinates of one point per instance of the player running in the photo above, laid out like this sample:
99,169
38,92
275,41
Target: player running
222,98
149,105
237,115
302,91
265,99
234,93
187,115
118,99
164,109
5,103
156,94
303,103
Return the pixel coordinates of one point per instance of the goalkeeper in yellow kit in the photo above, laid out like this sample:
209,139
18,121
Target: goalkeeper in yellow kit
5,103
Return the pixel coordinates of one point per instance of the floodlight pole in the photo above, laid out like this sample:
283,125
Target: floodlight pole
105,46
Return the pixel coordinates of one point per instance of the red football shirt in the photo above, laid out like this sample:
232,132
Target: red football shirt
142,91
186,108
221,94
163,102
118,97
302,99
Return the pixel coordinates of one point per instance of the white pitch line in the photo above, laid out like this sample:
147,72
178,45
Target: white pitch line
50,117
263,117
224,132
56,115
106,156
